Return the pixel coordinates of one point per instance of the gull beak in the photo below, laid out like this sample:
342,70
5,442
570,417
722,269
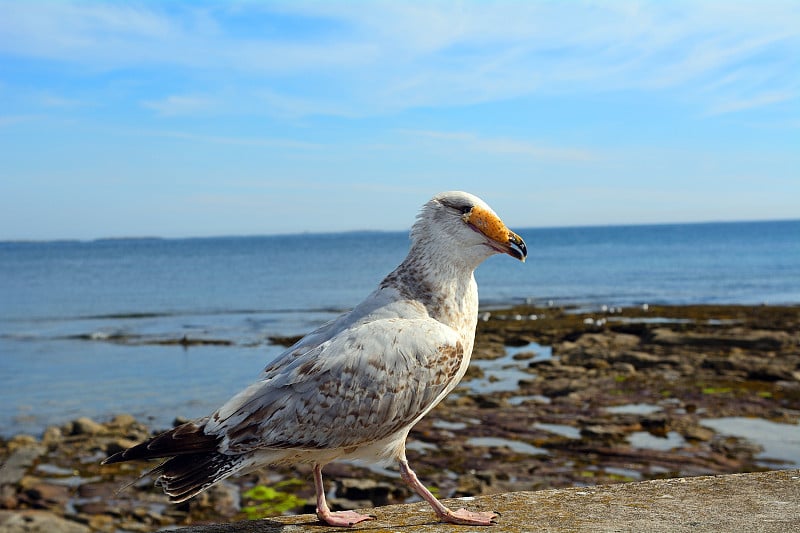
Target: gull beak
500,237
516,246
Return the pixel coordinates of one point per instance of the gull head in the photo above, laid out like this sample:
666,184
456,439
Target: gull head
466,227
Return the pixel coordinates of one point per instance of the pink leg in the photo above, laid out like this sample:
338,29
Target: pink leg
339,518
462,516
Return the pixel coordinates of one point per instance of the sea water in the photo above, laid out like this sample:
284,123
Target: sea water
80,322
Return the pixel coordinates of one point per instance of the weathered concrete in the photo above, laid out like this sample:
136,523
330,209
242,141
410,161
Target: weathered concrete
763,502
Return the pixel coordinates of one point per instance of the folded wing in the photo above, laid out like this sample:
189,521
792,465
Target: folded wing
364,384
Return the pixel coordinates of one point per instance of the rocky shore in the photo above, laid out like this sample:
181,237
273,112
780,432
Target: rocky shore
555,397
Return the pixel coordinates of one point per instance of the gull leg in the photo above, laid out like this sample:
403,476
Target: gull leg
462,516
339,518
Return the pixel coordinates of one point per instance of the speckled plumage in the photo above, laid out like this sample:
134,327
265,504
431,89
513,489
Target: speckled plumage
353,388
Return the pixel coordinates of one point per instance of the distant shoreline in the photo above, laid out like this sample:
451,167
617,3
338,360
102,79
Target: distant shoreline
522,229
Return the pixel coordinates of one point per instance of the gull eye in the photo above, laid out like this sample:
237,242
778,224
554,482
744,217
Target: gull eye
465,211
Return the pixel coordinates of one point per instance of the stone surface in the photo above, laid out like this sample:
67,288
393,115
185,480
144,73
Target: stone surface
763,501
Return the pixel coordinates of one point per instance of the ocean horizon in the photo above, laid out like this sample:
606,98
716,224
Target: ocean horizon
78,319
366,230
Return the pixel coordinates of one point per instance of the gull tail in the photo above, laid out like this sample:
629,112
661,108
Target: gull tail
193,463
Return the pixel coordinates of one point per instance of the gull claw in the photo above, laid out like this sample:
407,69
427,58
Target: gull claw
471,518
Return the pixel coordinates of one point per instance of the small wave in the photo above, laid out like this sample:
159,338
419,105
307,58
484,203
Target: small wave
143,340
123,316
205,312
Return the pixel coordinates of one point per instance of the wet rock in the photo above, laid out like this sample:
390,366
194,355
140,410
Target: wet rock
462,401
573,371
721,364
47,495
625,369
752,367
19,462
97,490
595,345
86,426
487,401
185,341
492,338
489,351
52,437
38,522
21,441
771,371
607,432
657,424
640,359
28,481
555,388
343,504
8,497
598,364
517,340
180,420
365,489
100,522
92,508
734,338
564,347
223,498
544,365
474,484
121,421
698,433
735,448
474,372
281,340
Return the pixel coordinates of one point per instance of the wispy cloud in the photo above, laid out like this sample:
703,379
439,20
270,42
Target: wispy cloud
12,120
264,142
60,102
432,54
755,101
175,105
506,146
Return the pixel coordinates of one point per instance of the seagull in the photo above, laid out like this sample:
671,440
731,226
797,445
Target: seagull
353,388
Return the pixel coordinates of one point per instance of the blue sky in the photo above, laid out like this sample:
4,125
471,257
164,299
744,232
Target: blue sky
230,118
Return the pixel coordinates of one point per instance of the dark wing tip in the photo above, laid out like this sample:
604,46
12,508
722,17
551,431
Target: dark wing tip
116,458
186,439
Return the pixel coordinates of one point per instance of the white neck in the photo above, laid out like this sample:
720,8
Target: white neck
446,287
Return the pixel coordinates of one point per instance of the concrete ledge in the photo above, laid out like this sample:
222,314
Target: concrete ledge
763,501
